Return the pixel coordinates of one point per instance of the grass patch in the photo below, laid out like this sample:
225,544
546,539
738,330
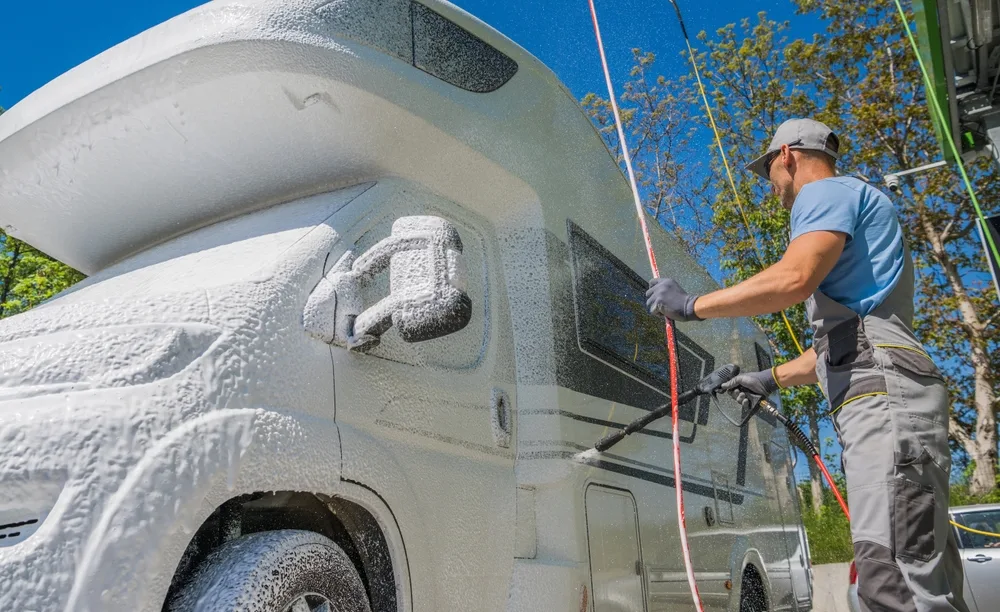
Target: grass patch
960,496
829,535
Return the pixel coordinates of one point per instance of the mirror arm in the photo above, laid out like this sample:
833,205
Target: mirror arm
376,259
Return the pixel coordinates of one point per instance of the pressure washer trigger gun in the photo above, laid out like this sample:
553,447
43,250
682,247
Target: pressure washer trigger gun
712,384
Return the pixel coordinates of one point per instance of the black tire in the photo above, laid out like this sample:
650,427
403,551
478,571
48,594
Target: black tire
271,570
752,595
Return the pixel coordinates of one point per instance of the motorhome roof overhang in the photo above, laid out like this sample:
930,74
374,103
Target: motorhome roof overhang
235,106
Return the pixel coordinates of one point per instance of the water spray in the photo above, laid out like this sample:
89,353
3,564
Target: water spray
800,439
671,343
796,434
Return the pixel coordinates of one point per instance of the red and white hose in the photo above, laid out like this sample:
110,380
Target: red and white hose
671,345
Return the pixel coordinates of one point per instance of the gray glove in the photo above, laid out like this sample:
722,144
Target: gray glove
748,389
668,299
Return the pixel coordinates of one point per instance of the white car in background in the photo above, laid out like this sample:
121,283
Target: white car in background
980,554
980,558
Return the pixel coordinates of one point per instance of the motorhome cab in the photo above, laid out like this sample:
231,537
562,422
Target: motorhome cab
363,281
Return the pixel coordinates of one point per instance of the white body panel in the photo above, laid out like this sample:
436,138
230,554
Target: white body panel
208,174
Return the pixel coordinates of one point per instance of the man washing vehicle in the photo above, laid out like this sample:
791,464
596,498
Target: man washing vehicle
847,260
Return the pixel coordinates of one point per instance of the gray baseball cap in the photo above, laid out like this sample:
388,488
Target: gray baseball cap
798,134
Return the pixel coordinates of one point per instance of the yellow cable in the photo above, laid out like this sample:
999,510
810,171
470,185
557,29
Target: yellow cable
732,183
971,530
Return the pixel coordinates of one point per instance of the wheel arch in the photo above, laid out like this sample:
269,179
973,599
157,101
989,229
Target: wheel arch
752,563
348,520
179,484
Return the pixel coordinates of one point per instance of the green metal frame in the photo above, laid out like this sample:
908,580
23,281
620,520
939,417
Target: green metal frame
931,45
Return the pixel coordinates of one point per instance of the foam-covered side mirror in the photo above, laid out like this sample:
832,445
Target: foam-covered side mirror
427,297
428,284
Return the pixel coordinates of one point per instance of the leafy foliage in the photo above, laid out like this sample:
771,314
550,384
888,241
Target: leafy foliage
961,495
829,532
28,276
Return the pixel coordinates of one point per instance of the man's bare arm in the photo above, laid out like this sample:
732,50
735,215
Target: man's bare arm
799,371
806,262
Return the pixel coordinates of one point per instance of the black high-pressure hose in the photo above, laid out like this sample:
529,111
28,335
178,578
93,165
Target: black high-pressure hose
799,438
802,441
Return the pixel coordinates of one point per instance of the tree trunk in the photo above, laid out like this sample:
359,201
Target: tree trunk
815,476
982,447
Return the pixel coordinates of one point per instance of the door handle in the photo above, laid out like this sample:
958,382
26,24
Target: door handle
500,417
980,558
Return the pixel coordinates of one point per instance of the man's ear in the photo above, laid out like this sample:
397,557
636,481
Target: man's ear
787,160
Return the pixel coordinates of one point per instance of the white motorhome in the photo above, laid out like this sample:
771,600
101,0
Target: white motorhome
363,280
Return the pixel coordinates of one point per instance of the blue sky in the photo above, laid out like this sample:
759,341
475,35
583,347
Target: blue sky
43,40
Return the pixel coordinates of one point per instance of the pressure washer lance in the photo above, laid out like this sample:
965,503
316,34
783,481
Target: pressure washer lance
709,384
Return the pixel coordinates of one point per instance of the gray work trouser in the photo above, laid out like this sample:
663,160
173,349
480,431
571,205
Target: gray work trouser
892,418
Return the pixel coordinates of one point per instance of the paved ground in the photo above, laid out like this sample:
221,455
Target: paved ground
830,587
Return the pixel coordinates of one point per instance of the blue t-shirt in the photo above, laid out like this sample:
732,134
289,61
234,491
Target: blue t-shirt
872,261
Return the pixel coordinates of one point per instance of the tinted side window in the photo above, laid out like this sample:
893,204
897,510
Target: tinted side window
987,521
614,326
449,52
421,37
763,358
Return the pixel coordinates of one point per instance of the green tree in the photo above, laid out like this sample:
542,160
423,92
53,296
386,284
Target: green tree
28,276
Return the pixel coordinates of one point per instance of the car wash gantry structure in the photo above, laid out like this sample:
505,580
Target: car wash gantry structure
959,43
958,48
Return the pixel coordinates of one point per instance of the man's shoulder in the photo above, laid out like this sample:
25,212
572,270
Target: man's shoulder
830,192
850,188
844,184
865,190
